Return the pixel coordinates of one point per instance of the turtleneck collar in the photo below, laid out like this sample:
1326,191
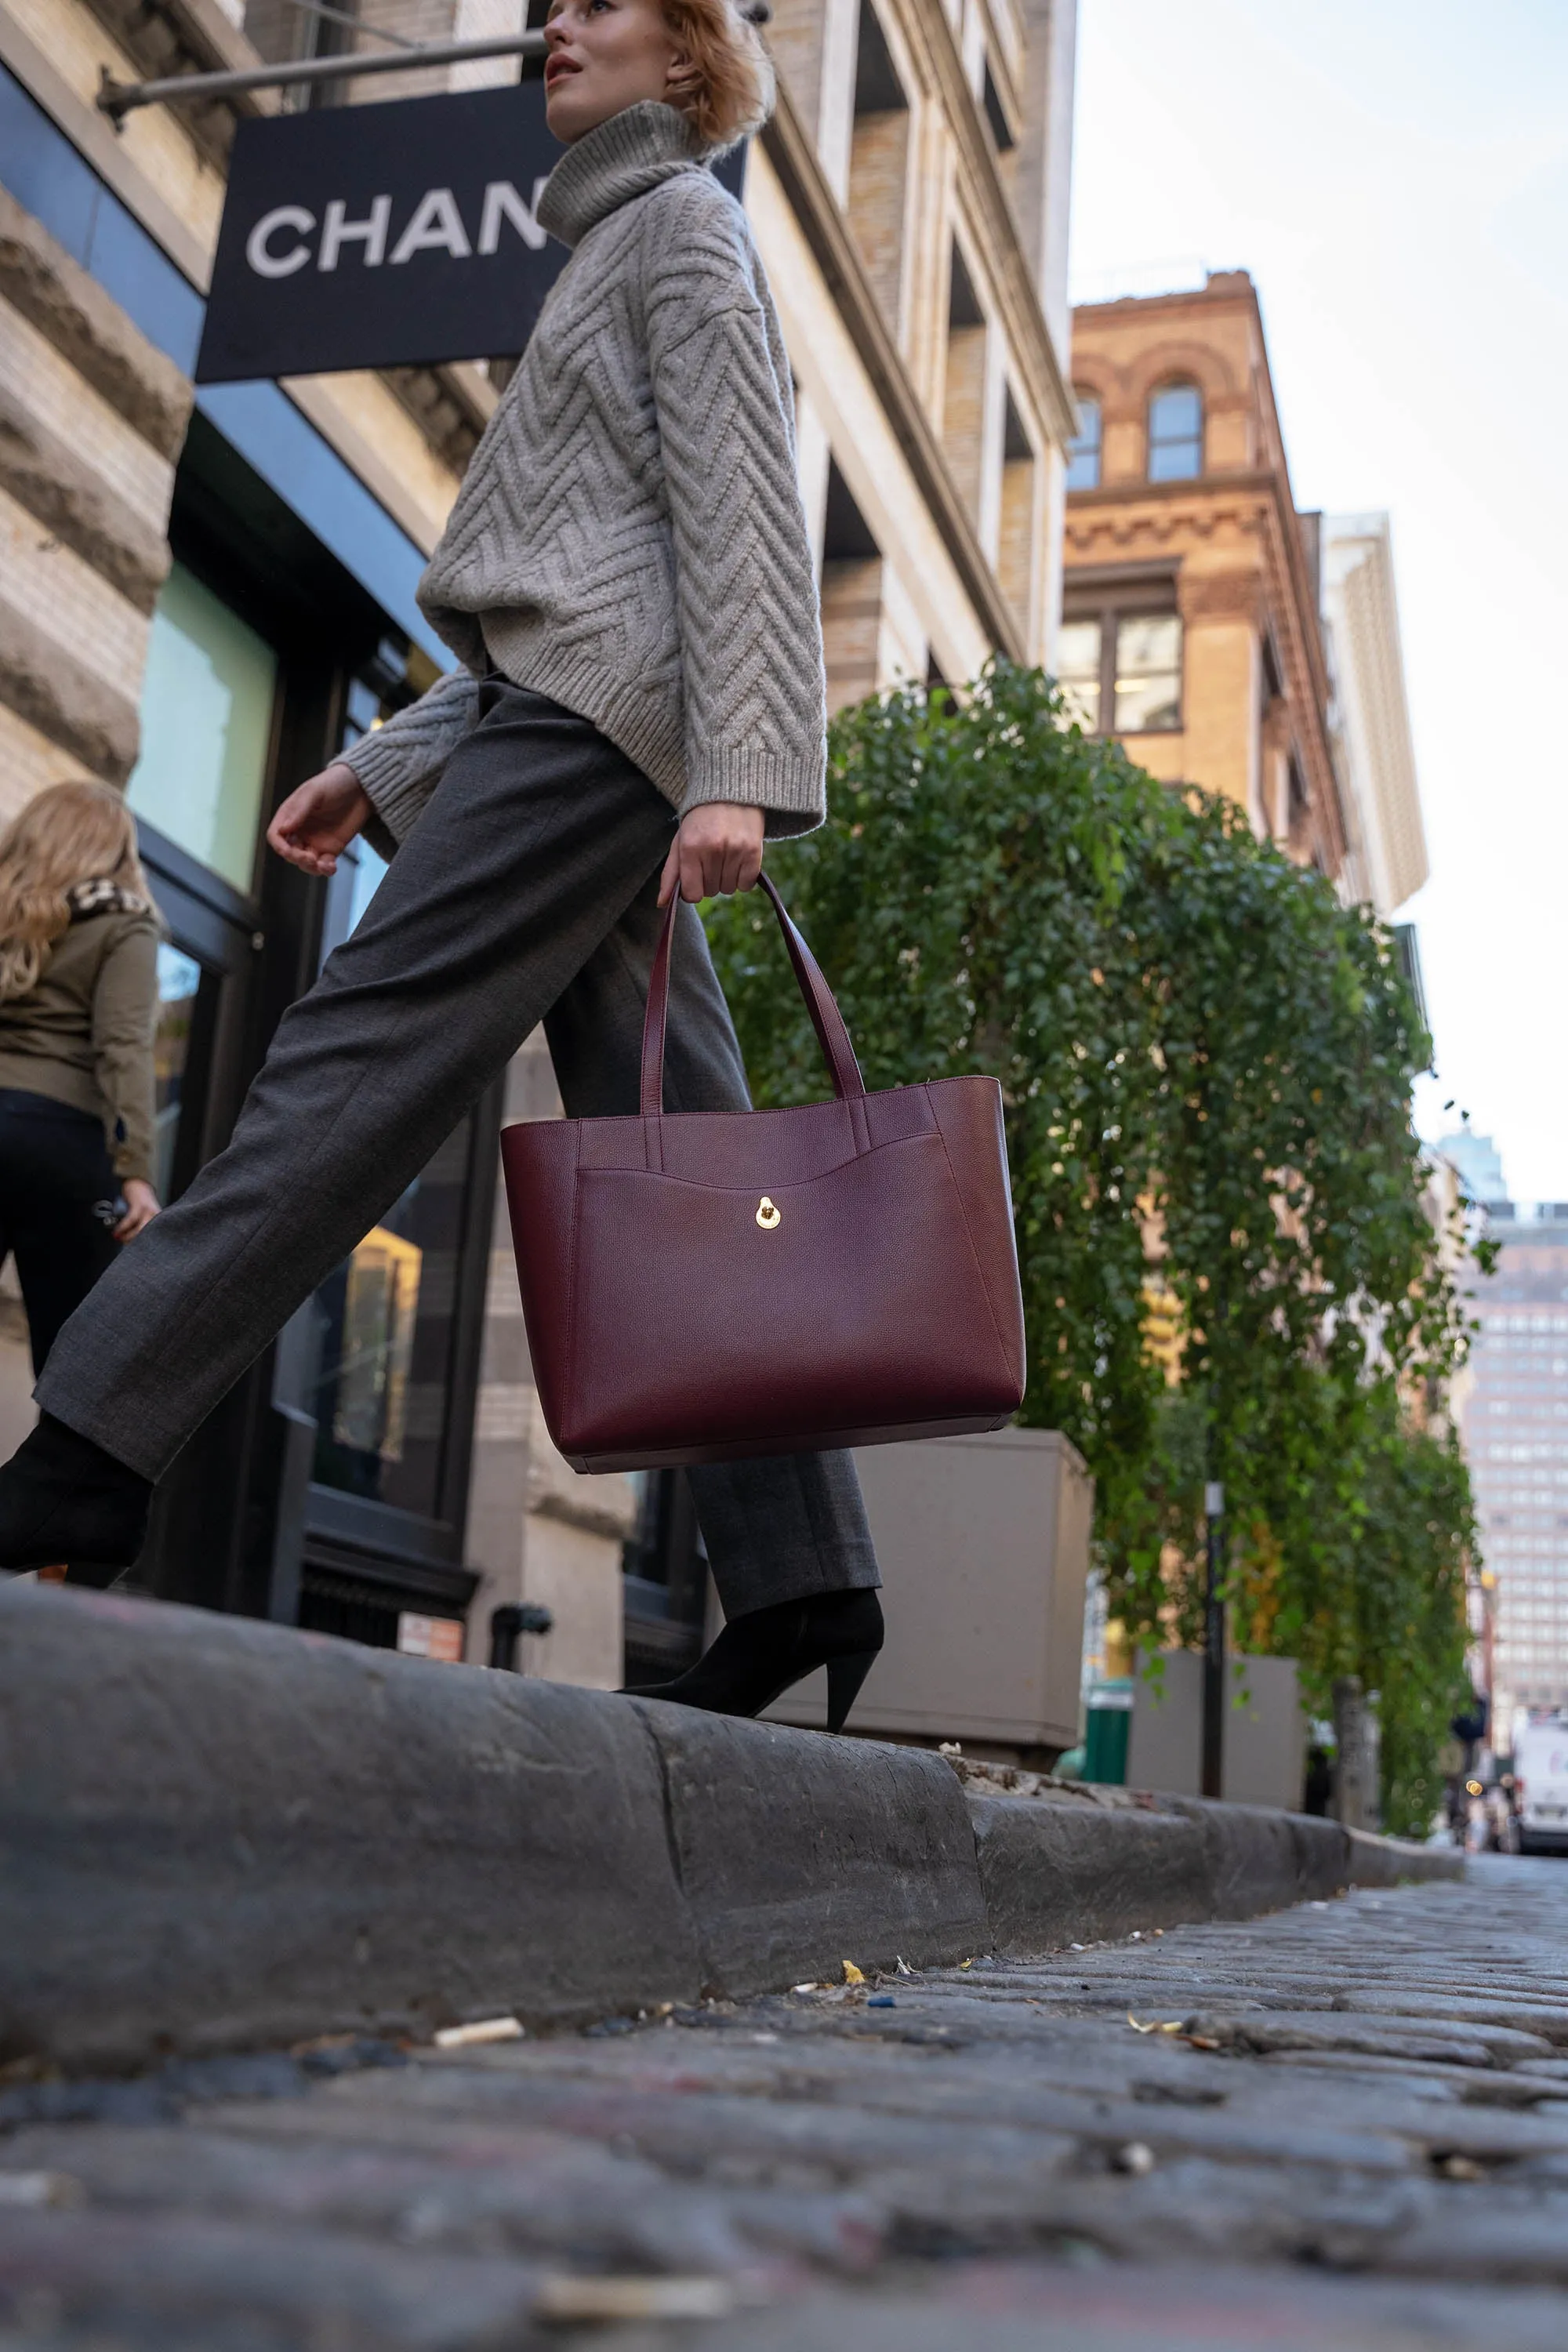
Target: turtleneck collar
623,158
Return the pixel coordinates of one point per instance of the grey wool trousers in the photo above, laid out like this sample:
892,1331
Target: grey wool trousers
526,892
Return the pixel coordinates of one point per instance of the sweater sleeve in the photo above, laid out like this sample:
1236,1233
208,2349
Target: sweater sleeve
124,1017
750,636
400,764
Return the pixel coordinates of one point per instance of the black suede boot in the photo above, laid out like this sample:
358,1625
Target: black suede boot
63,1497
758,1656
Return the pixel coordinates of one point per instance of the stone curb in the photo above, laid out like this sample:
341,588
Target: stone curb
794,1853
217,1834
1056,1872
1396,1861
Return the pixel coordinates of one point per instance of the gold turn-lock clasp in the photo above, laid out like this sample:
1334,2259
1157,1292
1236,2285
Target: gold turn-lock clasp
767,1216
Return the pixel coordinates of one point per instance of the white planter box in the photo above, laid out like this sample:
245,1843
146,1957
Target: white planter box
984,1545
1265,1731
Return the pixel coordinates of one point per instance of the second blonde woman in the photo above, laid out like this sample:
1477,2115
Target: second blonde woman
78,1000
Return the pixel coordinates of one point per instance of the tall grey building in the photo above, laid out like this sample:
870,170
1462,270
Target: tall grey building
1515,1423
1477,1163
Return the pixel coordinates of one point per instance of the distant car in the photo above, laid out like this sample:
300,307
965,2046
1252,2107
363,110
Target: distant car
1541,1786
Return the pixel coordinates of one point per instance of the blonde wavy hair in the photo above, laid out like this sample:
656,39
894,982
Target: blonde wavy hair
726,86
67,833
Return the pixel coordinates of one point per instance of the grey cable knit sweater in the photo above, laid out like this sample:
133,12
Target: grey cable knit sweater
629,538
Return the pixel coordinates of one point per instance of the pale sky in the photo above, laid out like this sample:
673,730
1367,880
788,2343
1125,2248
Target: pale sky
1395,175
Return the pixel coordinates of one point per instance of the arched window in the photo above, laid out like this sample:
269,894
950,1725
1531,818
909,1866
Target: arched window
1175,433
1083,453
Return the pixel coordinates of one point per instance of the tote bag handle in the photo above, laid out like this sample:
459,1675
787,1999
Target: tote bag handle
825,1018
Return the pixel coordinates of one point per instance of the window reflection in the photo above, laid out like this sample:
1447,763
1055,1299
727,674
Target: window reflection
186,994
206,726
382,1341
381,1299
1120,673
1176,434
1079,647
369,868
1148,673
1083,450
381,1326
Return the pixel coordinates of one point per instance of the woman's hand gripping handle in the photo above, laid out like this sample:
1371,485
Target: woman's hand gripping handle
717,849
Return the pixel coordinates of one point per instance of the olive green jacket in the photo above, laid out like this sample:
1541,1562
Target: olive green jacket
84,1035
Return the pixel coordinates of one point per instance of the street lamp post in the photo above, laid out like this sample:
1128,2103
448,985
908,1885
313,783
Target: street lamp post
1213,1642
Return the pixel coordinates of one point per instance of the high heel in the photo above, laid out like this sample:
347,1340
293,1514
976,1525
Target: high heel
759,1656
845,1677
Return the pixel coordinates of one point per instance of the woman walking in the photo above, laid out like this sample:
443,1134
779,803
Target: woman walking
78,999
627,584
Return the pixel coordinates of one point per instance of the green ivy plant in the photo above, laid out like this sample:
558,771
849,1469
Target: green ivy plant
1206,1064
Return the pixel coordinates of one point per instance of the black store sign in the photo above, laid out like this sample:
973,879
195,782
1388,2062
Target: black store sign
385,236
382,235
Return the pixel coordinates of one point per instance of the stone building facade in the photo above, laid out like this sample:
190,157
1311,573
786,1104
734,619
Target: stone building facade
205,594
1385,862
1192,583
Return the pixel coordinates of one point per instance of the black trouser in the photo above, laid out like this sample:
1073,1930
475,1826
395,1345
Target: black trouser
56,1178
525,893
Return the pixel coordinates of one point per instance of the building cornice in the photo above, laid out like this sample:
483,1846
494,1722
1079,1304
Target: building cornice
1195,488
1261,495
1201,493
1229,286
794,158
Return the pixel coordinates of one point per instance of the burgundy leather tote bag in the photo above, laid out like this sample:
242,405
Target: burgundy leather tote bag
706,1285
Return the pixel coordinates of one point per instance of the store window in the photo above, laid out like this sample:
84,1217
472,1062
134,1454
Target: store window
206,728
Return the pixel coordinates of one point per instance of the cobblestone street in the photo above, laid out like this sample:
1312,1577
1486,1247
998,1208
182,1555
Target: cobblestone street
1345,2124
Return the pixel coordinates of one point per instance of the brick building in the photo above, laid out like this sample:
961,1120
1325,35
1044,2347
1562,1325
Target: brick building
206,594
1192,584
